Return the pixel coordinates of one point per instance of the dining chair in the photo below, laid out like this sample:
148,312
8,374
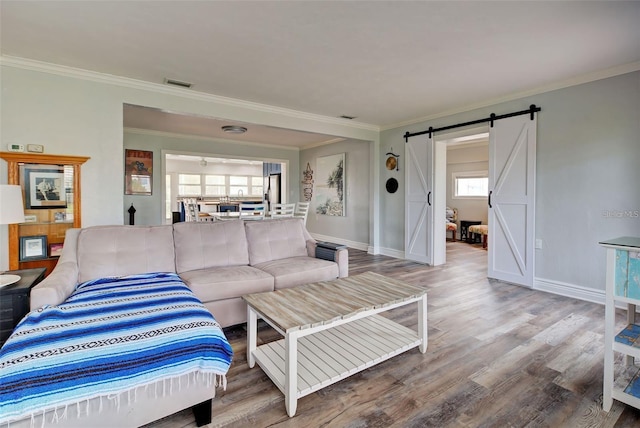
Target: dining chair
191,211
282,210
302,210
252,211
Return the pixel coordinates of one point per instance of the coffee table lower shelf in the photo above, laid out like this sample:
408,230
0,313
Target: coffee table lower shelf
331,355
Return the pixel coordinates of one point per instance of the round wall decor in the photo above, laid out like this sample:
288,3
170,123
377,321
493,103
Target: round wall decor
392,185
392,163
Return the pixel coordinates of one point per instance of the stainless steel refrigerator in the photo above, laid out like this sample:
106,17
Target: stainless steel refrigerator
272,190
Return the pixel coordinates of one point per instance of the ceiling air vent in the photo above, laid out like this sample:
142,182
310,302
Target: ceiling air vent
177,83
344,116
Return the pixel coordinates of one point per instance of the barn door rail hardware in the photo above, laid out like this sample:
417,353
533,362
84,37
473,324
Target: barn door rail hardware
533,109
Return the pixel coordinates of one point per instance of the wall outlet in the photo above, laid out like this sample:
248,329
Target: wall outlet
538,244
35,148
15,147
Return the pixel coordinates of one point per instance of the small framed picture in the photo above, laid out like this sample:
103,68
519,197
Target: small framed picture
59,216
33,248
55,250
30,218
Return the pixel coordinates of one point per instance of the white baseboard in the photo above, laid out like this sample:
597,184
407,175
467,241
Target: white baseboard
396,254
352,244
547,285
569,290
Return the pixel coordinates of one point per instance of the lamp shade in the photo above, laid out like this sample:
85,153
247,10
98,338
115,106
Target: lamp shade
11,206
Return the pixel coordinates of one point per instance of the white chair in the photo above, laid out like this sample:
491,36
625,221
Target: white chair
252,211
191,211
302,210
282,210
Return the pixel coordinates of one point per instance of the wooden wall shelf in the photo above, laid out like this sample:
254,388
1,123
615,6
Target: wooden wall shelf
45,217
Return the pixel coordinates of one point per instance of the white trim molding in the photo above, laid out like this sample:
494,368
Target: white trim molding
569,290
577,80
61,70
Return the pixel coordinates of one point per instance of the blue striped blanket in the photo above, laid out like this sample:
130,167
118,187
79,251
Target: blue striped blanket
110,336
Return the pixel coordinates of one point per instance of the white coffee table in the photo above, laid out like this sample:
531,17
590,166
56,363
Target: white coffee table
331,330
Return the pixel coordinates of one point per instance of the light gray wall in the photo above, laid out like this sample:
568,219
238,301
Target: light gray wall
465,160
149,208
588,163
78,112
354,227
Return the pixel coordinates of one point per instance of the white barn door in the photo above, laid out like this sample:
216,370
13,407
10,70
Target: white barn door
512,157
418,241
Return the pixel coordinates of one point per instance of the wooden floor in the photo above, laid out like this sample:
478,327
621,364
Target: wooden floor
499,356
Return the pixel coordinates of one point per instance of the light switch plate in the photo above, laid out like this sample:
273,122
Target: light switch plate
35,148
15,147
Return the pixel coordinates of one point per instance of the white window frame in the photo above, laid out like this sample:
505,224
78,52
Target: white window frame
228,192
467,174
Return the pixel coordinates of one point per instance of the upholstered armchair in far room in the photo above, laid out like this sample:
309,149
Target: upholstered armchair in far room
452,222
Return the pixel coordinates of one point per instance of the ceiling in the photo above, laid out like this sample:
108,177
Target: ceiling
145,118
387,63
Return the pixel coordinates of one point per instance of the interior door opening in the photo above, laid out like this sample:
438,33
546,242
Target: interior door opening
219,183
459,155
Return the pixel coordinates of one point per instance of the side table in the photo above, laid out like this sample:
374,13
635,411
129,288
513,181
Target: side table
14,299
464,229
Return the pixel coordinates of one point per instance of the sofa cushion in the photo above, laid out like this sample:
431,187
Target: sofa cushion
227,282
275,239
106,251
203,245
299,270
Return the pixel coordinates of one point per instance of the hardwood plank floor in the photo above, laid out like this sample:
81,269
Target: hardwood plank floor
499,356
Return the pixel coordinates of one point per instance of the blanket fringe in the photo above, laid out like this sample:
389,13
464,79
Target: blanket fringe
57,414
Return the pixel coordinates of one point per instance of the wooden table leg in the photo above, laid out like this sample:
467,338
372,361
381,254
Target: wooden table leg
291,373
422,322
252,335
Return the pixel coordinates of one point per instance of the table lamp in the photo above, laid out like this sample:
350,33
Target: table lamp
11,211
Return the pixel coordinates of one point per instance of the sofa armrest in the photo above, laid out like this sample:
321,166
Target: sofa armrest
55,288
61,282
342,257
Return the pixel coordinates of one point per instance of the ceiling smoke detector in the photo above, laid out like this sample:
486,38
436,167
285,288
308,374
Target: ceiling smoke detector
234,129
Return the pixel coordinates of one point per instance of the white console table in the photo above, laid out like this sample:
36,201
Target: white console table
623,287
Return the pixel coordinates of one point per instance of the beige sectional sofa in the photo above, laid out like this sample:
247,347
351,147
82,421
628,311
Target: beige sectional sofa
219,261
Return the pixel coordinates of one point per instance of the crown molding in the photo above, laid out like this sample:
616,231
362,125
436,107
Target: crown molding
201,138
155,133
574,81
62,70
324,143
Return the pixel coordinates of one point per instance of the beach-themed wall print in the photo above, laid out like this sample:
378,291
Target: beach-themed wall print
330,185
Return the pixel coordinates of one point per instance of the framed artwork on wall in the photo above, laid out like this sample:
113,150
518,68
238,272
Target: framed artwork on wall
330,184
138,172
44,187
